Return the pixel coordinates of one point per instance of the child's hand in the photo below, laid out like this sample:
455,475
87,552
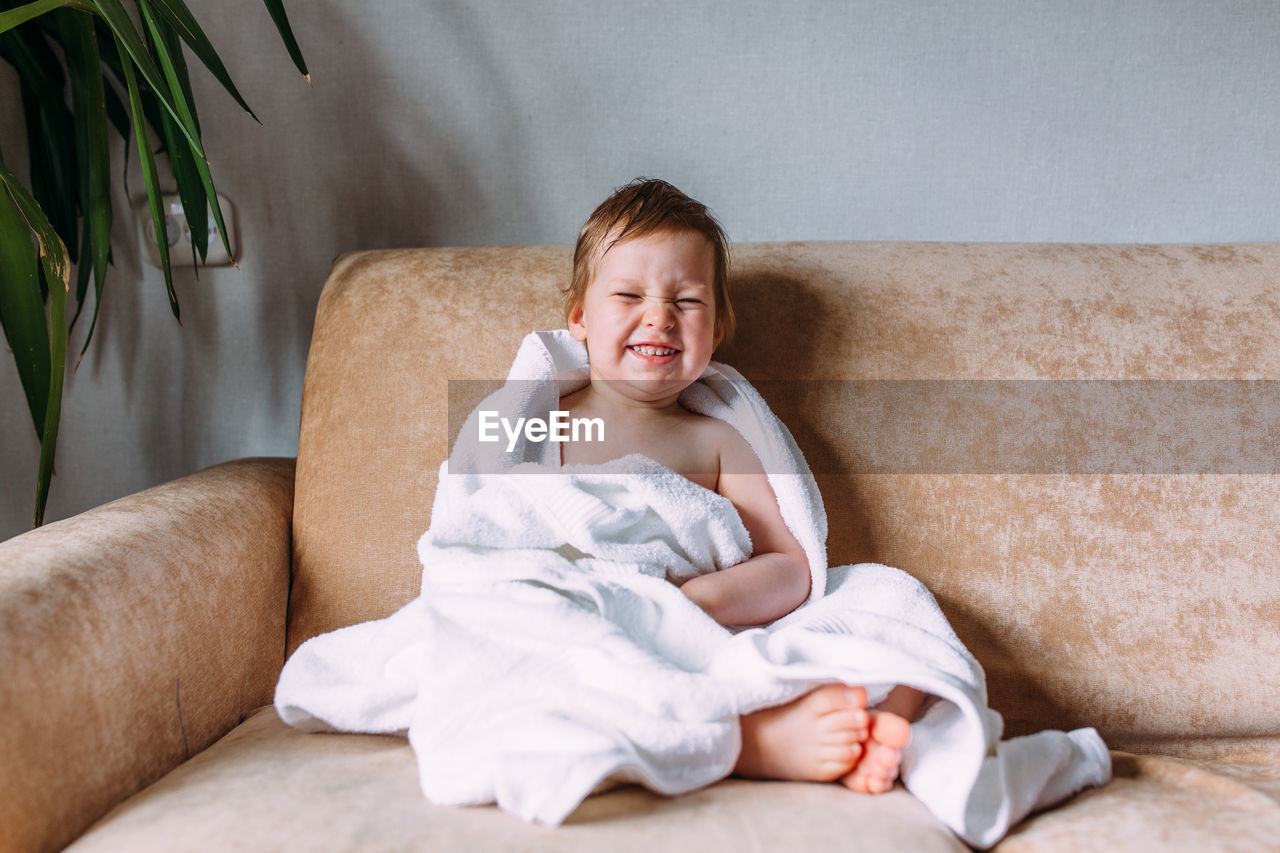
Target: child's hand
754,592
699,594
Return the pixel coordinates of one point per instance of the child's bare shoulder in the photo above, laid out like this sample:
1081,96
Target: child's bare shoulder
732,451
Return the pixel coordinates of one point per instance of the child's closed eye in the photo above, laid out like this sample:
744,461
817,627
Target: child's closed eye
682,302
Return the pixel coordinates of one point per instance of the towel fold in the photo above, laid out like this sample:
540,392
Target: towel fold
550,653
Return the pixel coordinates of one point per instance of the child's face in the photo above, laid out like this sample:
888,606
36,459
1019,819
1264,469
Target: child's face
648,316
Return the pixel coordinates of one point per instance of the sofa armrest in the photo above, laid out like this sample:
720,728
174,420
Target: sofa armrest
133,636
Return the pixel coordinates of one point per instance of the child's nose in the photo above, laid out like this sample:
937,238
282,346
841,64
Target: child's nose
659,313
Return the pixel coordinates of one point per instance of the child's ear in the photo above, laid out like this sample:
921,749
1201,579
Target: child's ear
577,328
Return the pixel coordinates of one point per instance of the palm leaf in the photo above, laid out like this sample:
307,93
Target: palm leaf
22,14
184,113
51,247
70,166
50,125
22,306
190,186
173,46
116,110
179,17
51,149
30,56
131,46
89,103
57,271
53,268
276,8
150,177
123,34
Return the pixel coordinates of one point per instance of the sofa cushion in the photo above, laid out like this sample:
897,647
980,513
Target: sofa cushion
268,787
1157,802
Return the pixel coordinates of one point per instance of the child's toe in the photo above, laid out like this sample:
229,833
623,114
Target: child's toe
843,724
891,730
837,699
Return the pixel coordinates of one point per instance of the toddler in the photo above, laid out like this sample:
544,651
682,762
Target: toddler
560,639
649,300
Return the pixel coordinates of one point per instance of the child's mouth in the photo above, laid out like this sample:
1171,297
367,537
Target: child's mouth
653,353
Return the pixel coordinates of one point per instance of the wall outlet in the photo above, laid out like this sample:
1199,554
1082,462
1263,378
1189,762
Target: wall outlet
179,232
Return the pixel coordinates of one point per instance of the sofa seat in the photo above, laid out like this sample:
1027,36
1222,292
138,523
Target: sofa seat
265,786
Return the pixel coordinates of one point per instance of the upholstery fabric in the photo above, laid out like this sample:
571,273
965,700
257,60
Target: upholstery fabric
1142,603
132,637
295,791
268,787
391,329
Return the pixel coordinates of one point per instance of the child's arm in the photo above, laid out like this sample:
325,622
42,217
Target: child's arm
775,580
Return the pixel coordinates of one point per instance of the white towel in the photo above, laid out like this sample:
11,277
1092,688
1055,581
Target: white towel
549,653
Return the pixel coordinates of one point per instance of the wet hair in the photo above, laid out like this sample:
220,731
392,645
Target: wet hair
649,206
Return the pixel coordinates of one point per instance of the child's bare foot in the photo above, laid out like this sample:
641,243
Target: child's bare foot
877,769
816,738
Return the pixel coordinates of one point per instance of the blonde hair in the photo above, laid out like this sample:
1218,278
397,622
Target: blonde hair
648,206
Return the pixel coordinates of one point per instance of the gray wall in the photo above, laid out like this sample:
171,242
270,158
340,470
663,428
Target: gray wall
439,123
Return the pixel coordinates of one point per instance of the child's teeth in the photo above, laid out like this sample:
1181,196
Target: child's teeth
653,350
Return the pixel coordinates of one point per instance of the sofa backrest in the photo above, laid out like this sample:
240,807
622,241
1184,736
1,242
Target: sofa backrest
1131,585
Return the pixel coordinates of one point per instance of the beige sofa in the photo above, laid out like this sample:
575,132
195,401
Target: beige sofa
140,642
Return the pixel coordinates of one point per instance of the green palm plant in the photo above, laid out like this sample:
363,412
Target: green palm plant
73,59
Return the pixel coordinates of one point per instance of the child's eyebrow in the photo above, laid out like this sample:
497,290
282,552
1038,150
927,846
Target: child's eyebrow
690,284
